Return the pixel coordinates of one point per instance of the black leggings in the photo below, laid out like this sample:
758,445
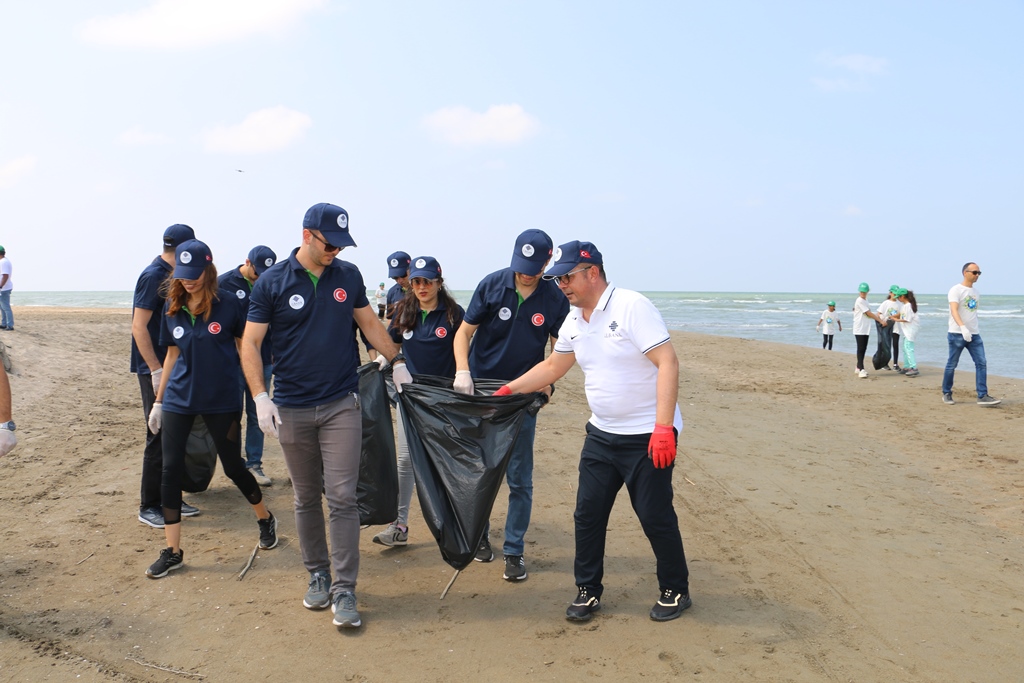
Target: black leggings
862,346
895,350
826,343
225,431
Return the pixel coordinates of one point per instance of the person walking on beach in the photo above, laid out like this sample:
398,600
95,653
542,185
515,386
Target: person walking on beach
147,358
398,270
512,316
886,310
632,380
424,324
240,281
828,323
382,298
199,327
963,334
311,301
908,323
862,317
6,287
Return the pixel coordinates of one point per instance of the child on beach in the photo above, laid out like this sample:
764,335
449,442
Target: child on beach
827,323
908,324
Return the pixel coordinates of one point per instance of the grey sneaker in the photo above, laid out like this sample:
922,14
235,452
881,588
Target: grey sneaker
188,510
584,606
911,372
987,400
670,605
948,399
318,595
261,479
268,532
483,552
167,562
394,534
153,517
515,568
345,613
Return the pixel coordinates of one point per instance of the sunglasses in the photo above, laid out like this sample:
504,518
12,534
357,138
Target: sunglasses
327,245
974,272
567,278
422,282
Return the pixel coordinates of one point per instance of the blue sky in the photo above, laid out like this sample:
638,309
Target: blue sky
734,146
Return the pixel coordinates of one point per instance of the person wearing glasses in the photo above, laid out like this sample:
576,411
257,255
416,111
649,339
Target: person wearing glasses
312,300
963,334
424,325
511,318
632,379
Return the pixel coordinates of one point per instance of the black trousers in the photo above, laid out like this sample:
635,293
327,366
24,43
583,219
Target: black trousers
607,462
153,454
826,342
895,349
862,347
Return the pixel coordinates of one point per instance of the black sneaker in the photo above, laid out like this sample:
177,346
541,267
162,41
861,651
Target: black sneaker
188,510
584,606
153,517
948,399
268,532
670,605
515,568
987,400
484,553
169,561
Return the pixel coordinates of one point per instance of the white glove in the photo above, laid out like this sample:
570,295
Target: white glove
967,333
7,441
156,375
156,417
464,382
267,414
381,361
400,374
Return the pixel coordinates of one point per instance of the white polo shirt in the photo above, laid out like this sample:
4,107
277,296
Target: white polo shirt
621,382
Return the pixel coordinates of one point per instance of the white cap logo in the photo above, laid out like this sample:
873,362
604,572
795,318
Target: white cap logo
504,313
527,250
185,257
407,334
178,332
394,263
558,253
342,221
269,262
296,301
420,262
240,294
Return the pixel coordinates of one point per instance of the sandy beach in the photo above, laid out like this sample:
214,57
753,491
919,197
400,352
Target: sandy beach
837,529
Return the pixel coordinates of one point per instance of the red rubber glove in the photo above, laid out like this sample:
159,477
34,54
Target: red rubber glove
503,391
662,447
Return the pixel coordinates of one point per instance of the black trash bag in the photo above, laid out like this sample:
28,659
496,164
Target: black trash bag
460,447
884,353
200,458
377,490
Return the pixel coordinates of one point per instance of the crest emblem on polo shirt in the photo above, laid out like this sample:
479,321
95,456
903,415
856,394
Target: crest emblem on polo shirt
296,301
504,313
214,328
407,334
178,332
185,257
441,332
558,254
527,250
340,295
240,294
537,319
269,262
343,221
420,262
393,263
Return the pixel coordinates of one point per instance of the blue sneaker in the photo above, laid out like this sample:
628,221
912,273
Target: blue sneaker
345,613
318,595
188,510
153,517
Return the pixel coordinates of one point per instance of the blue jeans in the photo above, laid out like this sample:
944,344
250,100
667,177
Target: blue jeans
253,433
520,488
6,315
976,348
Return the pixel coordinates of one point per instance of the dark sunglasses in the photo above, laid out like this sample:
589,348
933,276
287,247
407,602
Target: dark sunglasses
974,272
327,245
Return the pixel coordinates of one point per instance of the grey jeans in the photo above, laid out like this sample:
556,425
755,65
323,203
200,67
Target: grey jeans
321,447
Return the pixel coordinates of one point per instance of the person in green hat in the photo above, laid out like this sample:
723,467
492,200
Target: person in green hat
887,310
828,323
862,317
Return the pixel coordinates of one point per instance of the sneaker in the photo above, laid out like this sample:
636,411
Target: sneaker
515,568
261,479
345,613
670,605
169,561
898,369
584,606
268,532
987,400
395,534
911,372
188,510
153,517
483,553
948,399
862,374
318,595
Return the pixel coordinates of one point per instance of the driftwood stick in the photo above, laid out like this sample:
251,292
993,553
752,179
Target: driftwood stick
248,565
445,591
168,669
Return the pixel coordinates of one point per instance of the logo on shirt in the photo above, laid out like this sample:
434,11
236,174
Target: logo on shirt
527,250
537,319
296,301
178,332
614,330
185,257
828,320
504,313
441,332
214,328
240,294
407,334
971,303
340,295
342,221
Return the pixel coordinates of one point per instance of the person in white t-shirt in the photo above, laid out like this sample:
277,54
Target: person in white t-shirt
887,310
6,287
908,323
862,317
828,322
963,334
381,297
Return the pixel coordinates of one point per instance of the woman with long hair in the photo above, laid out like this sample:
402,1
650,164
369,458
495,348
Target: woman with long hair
200,377
909,323
424,324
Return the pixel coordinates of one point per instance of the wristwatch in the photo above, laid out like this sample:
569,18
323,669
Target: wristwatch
9,425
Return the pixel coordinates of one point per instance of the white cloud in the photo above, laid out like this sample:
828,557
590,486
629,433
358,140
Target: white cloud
174,24
852,210
266,130
501,124
859,64
135,137
13,171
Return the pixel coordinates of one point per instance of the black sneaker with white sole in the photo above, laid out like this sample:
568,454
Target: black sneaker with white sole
670,605
268,532
167,562
515,568
484,552
584,606
188,510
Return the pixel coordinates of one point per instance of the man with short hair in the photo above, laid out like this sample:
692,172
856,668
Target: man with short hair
239,281
311,301
963,334
632,381
6,287
398,270
511,318
147,359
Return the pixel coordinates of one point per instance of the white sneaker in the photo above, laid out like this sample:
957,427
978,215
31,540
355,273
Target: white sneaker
261,479
862,374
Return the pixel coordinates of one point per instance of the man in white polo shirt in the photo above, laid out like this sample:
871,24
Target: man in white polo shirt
632,380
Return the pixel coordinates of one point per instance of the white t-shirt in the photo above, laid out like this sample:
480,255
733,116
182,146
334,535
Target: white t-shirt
967,299
861,322
829,321
908,330
620,381
888,309
5,269
381,296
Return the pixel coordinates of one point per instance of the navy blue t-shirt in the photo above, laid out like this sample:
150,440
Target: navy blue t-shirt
395,294
236,283
315,352
206,375
511,336
429,347
148,297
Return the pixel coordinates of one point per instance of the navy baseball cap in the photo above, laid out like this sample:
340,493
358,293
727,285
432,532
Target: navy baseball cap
533,249
261,258
572,254
190,259
331,221
178,233
398,264
425,266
